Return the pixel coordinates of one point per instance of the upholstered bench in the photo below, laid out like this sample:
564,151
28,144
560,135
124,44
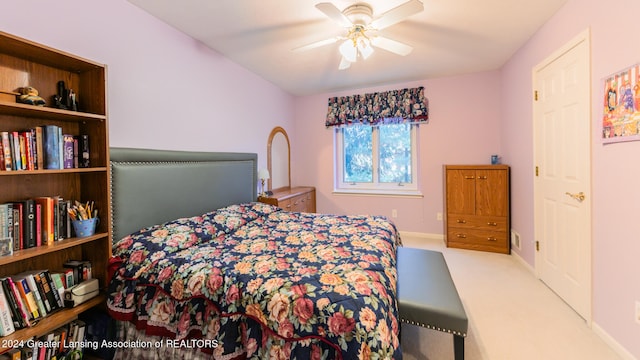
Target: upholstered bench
428,297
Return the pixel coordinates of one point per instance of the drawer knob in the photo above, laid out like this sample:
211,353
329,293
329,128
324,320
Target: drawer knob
492,239
491,223
461,236
461,221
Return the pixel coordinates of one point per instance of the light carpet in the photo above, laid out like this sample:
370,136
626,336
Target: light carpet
512,315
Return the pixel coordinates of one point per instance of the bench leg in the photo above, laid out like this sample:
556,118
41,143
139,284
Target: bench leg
458,347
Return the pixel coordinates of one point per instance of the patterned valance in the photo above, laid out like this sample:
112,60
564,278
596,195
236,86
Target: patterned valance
391,107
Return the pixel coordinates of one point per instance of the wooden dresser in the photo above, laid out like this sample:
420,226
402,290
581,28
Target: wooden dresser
299,199
477,207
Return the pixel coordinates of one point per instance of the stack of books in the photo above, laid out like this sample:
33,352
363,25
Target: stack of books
33,222
43,147
30,296
65,342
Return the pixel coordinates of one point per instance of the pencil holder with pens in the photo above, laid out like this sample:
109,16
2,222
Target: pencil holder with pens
84,228
84,218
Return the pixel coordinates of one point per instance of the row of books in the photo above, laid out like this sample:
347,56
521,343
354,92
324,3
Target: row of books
43,147
30,296
63,343
34,222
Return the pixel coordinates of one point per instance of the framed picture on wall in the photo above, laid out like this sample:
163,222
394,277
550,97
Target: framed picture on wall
621,114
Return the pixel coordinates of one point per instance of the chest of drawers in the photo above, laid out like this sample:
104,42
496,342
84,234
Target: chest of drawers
298,199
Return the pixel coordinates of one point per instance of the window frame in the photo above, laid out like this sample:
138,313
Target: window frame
375,188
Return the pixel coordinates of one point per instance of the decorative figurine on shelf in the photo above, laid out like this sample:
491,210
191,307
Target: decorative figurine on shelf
29,95
66,98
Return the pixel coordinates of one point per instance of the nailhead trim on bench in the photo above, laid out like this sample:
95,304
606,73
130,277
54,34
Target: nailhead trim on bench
433,327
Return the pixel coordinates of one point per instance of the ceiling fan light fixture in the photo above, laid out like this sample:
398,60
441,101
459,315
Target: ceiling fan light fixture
349,51
364,47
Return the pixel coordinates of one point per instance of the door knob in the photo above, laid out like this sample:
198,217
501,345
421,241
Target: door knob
579,196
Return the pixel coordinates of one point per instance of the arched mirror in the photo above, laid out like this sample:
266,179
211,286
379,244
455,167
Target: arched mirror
279,159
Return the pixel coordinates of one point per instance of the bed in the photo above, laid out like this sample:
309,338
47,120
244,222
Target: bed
200,270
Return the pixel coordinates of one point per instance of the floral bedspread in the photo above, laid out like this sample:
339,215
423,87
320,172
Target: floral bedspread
264,283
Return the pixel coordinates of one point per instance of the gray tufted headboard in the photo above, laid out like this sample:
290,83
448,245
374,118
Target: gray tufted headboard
151,187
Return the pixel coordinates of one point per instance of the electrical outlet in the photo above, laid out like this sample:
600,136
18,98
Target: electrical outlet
637,311
394,213
439,216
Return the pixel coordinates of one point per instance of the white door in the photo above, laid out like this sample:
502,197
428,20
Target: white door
562,186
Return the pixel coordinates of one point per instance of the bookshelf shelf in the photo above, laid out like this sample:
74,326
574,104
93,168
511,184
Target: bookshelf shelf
21,255
26,63
24,110
51,322
50,172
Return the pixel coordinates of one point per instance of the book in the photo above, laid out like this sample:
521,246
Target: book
78,269
48,212
59,284
6,230
57,295
28,150
22,307
60,148
6,321
64,221
23,150
51,147
50,291
10,224
28,223
83,151
38,225
15,144
14,354
68,151
18,234
6,246
19,321
27,296
61,337
42,291
28,279
39,140
43,308
6,151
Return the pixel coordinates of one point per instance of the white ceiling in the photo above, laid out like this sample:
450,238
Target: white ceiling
449,37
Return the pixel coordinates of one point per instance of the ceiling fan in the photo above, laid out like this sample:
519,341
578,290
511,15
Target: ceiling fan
363,29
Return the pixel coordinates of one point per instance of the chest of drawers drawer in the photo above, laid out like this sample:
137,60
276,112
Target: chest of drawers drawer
492,223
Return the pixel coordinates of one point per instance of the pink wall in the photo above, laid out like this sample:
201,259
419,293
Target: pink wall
166,90
615,194
464,114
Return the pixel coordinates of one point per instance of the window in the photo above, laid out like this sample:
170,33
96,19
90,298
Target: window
377,159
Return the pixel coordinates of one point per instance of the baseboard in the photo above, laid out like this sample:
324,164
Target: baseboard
609,340
528,266
422,235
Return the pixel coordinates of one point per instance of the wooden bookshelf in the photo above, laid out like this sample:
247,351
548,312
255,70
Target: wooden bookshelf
25,63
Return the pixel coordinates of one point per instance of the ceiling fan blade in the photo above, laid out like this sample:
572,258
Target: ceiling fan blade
397,14
344,64
334,14
393,46
317,44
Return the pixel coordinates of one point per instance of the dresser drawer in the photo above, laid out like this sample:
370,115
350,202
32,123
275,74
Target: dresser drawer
478,239
299,203
285,204
490,223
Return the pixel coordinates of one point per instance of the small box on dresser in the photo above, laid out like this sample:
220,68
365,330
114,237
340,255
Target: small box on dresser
477,207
